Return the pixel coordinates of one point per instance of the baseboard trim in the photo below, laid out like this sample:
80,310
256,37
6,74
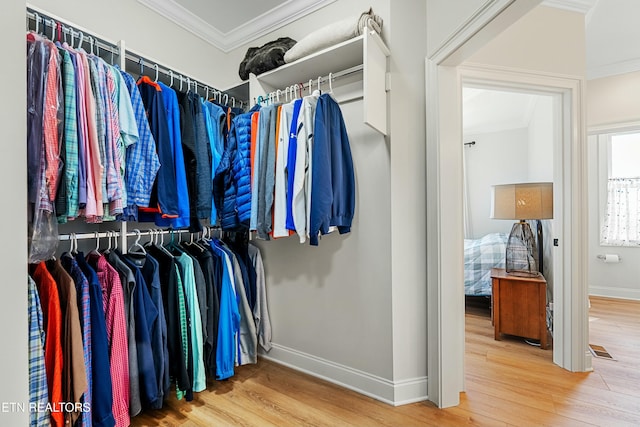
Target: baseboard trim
612,292
393,393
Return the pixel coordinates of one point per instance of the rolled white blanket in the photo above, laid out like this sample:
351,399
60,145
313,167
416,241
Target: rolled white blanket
334,34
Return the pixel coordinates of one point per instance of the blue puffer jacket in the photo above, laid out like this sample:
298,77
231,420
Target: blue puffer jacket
242,165
224,189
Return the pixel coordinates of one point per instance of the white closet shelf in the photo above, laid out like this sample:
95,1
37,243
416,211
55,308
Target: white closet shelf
334,58
367,50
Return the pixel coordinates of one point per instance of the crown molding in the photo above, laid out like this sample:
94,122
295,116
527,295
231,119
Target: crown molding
623,67
249,31
582,6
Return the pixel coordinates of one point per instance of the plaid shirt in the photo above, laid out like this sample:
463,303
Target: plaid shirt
96,75
112,183
142,159
38,390
113,303
70,133
184,330
50,124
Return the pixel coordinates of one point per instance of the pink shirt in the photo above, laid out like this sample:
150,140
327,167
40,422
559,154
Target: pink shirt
113,301
94,209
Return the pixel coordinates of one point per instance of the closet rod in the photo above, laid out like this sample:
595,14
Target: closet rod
105,234
312,82
152,66
39,18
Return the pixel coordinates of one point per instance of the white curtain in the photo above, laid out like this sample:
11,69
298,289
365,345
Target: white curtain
622,220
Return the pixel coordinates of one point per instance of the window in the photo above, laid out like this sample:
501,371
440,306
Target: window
621,220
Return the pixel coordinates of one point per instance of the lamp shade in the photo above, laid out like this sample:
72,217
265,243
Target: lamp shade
522,201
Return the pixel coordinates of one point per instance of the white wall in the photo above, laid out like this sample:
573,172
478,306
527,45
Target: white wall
496,158
354,310
545,40
408,196
444,19
145,32
13,221
541,135
611,100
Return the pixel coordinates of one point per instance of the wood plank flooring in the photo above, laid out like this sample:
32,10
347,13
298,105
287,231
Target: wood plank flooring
508,383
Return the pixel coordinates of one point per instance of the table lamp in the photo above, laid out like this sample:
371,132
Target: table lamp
525,201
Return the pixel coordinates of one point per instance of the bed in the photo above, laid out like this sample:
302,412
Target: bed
480,256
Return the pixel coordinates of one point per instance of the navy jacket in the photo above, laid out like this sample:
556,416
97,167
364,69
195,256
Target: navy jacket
102,397
333,196
165,187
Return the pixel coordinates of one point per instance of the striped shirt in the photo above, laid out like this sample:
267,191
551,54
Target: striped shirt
38,391
142,160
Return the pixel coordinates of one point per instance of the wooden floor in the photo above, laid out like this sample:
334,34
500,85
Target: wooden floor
508,382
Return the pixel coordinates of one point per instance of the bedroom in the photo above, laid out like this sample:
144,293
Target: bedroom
508,138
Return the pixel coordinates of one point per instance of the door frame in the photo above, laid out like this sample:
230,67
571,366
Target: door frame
445,270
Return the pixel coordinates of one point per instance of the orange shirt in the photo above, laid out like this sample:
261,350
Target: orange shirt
52,314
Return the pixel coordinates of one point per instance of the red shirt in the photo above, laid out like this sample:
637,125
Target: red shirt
52,315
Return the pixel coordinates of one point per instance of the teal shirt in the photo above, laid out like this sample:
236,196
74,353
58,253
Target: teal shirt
197,341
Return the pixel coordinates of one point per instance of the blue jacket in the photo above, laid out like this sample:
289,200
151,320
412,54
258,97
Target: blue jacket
333,197
229,317
242,165
224,186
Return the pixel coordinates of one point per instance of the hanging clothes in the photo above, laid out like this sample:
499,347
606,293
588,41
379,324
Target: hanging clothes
84,307
128,281
195,323
215,124
74,377
141,158
116,328
171,297
150,271
48,293
70,136
163,196
102,393
146,316
170,100
38,384
333,187
229,320
261,309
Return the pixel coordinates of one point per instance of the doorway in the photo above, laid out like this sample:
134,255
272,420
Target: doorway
444,186
509,136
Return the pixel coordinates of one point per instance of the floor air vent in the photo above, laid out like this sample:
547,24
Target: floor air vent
600,352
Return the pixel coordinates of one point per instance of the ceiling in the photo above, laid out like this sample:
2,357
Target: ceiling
490,110
228,25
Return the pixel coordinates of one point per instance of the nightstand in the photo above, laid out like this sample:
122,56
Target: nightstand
519,306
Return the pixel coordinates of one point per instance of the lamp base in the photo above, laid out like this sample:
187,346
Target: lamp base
522,255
